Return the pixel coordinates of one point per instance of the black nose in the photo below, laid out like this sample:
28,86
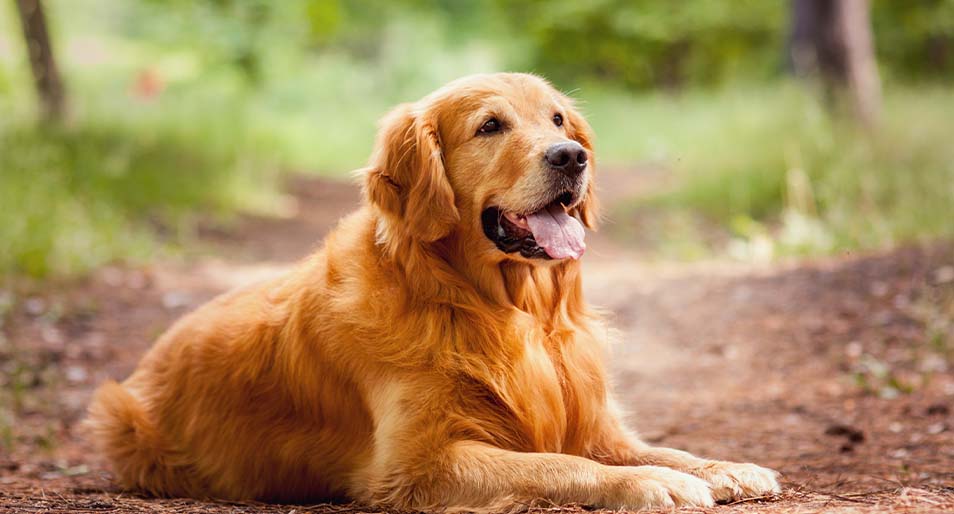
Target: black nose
568,158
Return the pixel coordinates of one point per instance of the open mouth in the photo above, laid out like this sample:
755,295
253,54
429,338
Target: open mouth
546,233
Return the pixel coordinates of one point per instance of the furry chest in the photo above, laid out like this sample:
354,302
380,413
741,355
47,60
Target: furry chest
536,402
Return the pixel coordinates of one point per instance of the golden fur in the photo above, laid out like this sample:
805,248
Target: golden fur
408,364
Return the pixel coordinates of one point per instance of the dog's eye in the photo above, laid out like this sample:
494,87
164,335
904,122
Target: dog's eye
489,127
558,119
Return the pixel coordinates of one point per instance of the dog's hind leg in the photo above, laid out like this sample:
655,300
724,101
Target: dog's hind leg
121,429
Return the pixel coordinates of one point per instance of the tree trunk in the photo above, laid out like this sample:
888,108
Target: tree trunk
46,76
833,39
854,20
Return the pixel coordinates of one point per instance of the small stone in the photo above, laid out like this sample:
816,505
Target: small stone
944,274
76,374
175,300
900,453
854,349
34,306
933,363
51,335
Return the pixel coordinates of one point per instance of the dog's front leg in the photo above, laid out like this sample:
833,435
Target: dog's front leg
473,476
729,480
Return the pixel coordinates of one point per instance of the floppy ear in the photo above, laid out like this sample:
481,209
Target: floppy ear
579,130
406,178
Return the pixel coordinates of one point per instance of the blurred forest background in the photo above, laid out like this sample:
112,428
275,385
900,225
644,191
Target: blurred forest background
757,142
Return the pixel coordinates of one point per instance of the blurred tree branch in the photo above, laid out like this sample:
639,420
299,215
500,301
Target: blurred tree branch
46,76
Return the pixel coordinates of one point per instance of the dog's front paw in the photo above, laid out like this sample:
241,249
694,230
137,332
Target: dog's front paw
733,480
648,487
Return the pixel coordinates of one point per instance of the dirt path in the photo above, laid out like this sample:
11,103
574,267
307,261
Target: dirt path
837,373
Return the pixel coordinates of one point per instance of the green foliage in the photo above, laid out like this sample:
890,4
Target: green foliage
187,108
249,34
771,162
915,40
644,44
318,95
654,42
78,196
184,110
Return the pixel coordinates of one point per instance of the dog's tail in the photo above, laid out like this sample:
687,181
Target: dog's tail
121,429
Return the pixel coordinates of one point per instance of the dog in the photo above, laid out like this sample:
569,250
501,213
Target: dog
436,354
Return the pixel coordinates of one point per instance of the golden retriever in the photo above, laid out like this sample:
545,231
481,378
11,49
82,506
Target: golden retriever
435,354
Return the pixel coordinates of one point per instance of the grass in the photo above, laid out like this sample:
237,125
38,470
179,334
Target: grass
766,162
129,166
104,187
770,163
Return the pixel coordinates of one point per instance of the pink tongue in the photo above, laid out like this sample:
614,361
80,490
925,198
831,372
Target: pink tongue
560,234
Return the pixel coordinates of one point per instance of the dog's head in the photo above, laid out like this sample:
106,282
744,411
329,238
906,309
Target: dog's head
504,162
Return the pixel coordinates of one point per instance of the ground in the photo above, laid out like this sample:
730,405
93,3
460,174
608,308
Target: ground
836,372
